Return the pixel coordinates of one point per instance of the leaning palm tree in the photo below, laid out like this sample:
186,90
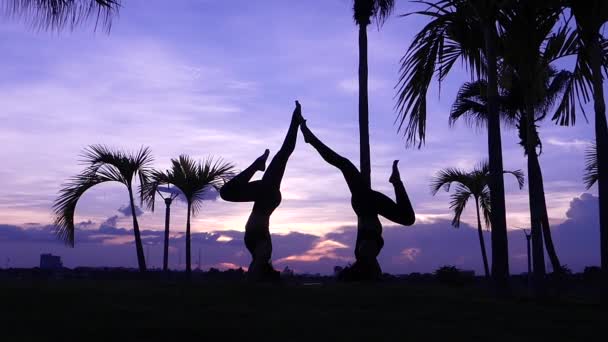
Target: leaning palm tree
364,11
153,186
471,184
194,180
103,165
459,30
59,14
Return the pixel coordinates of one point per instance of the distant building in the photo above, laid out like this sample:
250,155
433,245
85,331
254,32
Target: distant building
50,262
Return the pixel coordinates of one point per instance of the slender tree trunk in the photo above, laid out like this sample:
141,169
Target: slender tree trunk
141,260
364,147
546,228
482,243
500,248
538,256
188,243
601,139
166,246
528,237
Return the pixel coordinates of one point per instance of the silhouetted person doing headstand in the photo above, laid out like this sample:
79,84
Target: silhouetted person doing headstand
367,204
266,195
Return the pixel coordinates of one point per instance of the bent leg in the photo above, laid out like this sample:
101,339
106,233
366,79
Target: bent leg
274,175
400,212
350,172
239,188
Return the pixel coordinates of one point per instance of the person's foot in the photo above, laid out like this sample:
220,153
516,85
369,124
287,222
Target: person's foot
395,176
297,113
260,163
305,131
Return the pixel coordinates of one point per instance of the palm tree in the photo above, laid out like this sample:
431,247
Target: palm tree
104,165
471,184
153,186
466,30
591,50
59,14
526,27
470,105
194,180
363,13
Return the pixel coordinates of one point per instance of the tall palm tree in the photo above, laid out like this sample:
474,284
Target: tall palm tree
465,30
59,14
363,13
591,50
194,180
104,165
471,184
526,27
153,186
470,106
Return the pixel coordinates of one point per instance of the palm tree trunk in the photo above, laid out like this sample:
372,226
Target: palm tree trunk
188,242
500,248
141,260
601,139
364,148
546,228
482,242
166,246
538,256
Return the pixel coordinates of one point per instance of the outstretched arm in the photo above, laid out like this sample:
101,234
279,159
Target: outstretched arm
400,212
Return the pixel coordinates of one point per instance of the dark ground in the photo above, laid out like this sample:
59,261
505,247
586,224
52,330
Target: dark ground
210,310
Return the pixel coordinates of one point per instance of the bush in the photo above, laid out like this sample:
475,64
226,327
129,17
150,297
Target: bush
592,273
451,275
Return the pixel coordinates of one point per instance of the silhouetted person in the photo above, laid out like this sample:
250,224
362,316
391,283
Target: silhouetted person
367,204
266,195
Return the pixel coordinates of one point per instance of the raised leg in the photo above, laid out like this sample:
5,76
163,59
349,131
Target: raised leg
400,212
274,174
350,172
239,188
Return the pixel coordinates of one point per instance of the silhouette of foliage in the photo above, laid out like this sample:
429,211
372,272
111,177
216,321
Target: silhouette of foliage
103,165
591,173
59,14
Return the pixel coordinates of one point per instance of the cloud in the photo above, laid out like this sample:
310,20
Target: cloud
570,144
126,210
420,248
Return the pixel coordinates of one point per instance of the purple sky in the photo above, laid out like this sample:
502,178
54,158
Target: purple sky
219,78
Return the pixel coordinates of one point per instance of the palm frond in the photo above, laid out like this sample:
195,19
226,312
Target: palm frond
591,174
452,34
65,204
379,10
150,188
446,177
519,176
59,14
458,203
103,164
194,179
486,208
470,104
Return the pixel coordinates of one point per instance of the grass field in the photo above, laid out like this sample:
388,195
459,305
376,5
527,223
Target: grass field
86,310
